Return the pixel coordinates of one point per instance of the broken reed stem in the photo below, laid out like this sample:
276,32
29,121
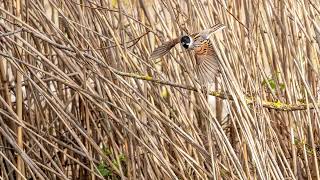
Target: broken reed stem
275,105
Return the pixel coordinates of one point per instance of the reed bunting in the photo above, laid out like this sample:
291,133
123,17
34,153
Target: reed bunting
207,63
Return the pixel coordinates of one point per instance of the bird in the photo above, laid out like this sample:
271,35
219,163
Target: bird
207,60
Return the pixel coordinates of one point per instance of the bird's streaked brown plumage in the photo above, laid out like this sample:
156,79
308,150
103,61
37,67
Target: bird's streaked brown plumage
207,62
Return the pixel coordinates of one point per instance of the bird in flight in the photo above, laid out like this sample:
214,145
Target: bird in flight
207,63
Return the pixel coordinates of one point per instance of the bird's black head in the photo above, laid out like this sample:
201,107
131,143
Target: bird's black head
186,41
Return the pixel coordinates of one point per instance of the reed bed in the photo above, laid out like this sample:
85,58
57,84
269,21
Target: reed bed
81,100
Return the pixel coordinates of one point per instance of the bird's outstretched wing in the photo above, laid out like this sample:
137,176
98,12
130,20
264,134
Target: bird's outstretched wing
205,34
164,48
207,61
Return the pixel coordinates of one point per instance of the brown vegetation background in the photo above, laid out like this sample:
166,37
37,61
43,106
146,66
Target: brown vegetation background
80,99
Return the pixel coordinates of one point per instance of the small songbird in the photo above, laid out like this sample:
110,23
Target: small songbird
207,63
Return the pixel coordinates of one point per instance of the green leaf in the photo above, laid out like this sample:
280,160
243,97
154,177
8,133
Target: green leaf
272,84
103,170
122,157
